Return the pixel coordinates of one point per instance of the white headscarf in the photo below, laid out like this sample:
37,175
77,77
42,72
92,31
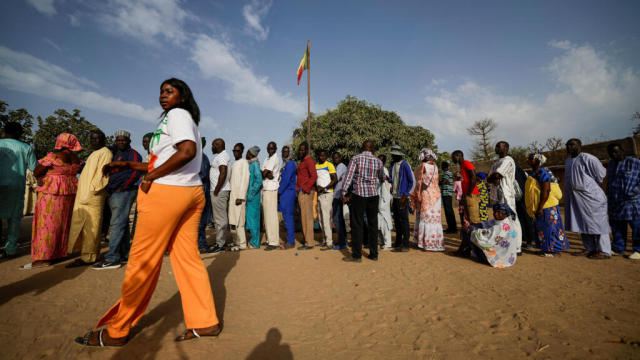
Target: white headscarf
426,154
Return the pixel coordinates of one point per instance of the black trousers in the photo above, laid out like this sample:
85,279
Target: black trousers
529,236
449,214
359,207
401,222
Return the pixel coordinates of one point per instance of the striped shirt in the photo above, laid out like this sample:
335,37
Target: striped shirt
446,188
364,173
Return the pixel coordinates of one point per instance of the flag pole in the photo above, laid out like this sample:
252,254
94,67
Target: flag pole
309,95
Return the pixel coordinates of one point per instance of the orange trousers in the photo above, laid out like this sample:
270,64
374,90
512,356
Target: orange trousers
168,218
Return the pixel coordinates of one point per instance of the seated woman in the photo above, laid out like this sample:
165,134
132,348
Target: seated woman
495,241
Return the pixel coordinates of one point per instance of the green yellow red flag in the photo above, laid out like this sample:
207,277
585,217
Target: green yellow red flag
304,64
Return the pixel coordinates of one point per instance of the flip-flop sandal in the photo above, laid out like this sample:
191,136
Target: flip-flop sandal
196,335
546,255
84,340
30,266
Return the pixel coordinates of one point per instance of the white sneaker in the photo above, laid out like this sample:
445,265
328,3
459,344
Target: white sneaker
635,256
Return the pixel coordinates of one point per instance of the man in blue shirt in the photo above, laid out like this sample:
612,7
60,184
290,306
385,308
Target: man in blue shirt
623,191
122,189
15,158
287,195
402,184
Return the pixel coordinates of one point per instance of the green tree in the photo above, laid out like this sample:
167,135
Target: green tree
21,116
60,122
345,128
636,117
483,150
519,153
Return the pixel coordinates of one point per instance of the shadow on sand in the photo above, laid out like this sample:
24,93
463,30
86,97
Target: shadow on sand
39,282
168,315
271,348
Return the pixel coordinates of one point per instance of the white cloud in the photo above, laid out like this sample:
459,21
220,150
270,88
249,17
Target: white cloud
217,59
592,98
146,20
254,13
73,20
25,73
53,45
44,7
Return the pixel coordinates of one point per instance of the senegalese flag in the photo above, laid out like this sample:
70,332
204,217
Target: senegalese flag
304,64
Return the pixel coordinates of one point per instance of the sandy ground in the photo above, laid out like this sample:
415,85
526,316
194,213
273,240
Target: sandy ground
312,305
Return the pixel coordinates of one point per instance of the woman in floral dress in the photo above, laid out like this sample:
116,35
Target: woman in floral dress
542,199
426,201
495,241
56,174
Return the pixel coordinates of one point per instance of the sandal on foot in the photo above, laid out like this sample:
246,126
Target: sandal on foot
30,266
84,340
195,335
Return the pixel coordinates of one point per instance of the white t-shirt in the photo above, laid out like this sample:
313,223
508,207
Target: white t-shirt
271,163
220,159
176,127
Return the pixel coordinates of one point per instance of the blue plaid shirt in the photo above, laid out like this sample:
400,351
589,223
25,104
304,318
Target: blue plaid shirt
623,189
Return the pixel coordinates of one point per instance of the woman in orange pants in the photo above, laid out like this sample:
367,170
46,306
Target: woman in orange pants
170,202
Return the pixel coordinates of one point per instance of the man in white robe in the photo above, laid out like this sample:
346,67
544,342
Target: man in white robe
585,201
270,185
502,177
239,182
384,210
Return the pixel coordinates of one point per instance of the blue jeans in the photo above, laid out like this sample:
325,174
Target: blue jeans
120,205
619,230
338,222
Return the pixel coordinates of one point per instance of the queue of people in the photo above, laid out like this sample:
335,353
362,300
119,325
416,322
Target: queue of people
176,183
242,196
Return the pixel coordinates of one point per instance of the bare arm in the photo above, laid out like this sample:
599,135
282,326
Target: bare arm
40,171
186,152
221,179
116,166
266,173
334,181
544,196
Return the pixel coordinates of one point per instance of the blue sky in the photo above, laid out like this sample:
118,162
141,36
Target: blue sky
538,68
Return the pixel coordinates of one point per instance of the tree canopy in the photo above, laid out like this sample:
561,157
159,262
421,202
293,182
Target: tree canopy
345,128
60,122
20,116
